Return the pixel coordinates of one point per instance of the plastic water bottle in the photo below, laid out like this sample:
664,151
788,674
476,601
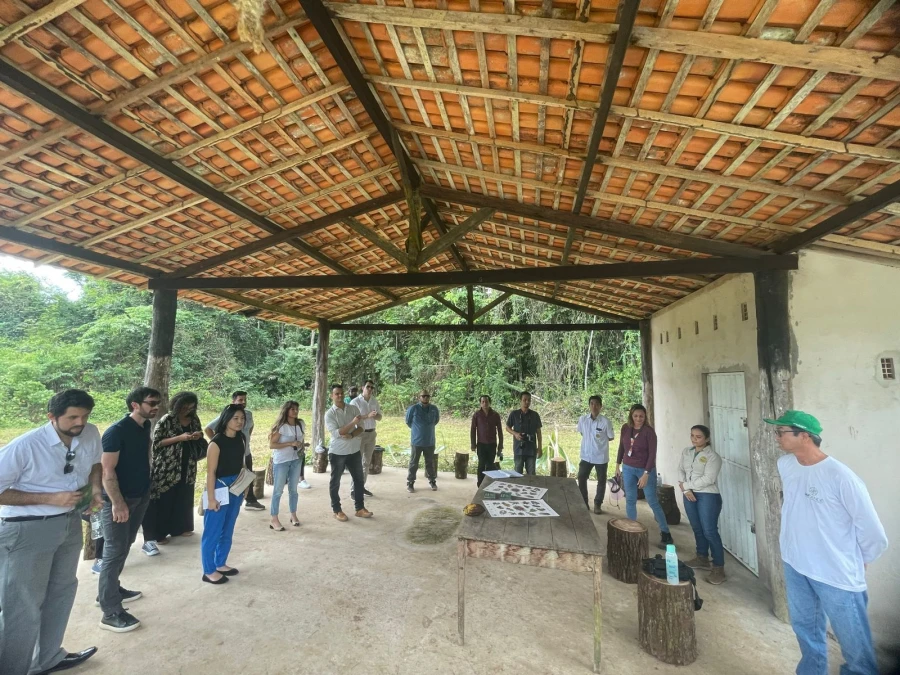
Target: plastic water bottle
671,565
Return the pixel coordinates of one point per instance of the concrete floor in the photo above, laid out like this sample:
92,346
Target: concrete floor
356,598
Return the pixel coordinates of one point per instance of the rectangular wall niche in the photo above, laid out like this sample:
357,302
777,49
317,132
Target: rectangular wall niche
888,372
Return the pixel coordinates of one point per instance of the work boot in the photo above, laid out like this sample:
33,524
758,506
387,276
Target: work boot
701,562
597,508
717,575
665,539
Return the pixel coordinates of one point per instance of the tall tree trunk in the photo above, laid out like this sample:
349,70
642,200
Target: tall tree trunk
162,338
587,360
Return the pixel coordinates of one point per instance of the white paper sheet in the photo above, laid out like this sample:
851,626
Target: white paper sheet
520,508
517,490
221,497
503,474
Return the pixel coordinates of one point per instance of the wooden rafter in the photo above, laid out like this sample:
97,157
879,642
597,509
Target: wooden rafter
454,234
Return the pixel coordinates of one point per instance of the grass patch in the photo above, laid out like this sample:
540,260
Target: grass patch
434,525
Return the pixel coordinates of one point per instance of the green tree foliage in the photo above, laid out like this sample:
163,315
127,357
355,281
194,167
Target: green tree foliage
99,342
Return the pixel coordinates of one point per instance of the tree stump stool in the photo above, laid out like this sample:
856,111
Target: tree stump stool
270,472
666,620
377,460
666,496
461,465
259,484
558,467
626,545
320,463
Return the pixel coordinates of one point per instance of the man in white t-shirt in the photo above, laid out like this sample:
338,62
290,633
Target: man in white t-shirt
596,433
370,410
830,533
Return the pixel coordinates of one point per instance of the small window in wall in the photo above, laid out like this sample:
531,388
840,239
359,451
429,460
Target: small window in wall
715,322
888,371
660,338
679,332
745,314
696,328
667,336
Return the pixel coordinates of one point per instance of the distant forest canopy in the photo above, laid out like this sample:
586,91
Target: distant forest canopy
99,343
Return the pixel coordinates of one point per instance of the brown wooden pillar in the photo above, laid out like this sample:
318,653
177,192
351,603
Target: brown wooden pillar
320,385
162,338
776,366
647,368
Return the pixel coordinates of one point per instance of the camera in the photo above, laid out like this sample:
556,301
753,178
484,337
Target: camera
527,438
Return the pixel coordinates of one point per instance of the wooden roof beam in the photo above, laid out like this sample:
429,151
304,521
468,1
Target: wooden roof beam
886,195
455,233
262,306
558,303
404,300
293,235
449,305
614,60
481,277
714,45
811,143
380,242
488,328
500,299
612,228
36,19
63,249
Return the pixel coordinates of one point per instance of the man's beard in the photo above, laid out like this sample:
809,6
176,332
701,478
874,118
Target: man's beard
72,432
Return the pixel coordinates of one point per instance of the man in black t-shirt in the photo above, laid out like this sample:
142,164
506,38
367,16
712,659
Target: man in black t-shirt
126,494
524,425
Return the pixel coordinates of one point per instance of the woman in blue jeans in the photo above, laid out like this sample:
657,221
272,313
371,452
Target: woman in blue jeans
698,471
637,451
286,443
224,461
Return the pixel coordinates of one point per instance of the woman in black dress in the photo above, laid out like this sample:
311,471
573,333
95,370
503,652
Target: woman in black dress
177,445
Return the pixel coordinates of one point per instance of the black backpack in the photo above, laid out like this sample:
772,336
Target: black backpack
657,567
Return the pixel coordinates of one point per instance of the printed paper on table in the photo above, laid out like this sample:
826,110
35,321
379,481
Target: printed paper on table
517,490
520,508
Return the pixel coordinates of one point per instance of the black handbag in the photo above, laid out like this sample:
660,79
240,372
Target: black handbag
656,567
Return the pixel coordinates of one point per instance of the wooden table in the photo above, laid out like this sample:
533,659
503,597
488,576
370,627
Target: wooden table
568,542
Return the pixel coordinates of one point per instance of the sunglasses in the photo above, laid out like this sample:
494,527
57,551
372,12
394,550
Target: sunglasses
69,467
782,432
153,403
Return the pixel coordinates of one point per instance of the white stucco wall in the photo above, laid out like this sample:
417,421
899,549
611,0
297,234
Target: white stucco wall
845,315
680,367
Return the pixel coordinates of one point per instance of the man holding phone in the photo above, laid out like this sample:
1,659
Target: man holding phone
524,425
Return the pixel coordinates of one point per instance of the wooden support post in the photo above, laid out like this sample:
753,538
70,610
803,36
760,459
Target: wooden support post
626,545
162,338
470,305
320,387
647,367
666,620
773,344
666,496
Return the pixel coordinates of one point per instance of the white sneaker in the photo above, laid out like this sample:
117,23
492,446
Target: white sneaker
150,548
303,485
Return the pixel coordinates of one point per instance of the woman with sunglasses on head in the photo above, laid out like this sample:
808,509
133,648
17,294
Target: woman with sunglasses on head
698,471
286,443
224,461
637,450
178,444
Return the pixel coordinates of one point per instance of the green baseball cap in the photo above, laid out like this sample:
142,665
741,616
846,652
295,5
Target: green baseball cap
799,419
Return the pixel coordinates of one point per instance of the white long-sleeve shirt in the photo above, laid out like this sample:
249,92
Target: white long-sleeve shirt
829,527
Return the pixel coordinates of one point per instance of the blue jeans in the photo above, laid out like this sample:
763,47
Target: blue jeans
809,603
630,477
704,517
218,529
285,472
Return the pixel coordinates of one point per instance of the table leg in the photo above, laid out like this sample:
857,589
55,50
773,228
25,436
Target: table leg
461,588
598,612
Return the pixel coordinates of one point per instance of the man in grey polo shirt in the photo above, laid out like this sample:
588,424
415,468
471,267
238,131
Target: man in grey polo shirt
344,423
48,476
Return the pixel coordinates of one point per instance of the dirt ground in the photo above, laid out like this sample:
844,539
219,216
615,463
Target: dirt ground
332,598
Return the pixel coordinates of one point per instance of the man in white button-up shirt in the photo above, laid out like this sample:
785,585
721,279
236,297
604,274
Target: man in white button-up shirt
48,476
370,411
596,433
344,423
